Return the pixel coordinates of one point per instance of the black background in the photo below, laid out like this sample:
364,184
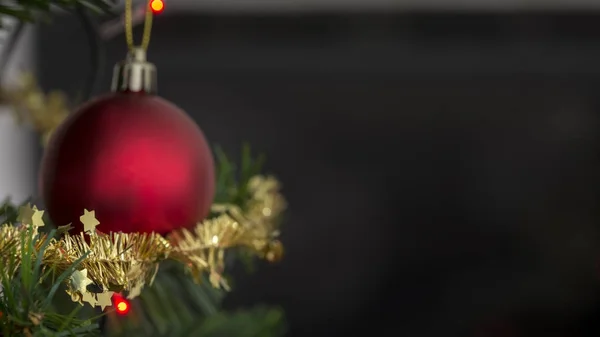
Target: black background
441,169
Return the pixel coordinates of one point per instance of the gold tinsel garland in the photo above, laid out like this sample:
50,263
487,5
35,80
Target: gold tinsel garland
31,106
127,262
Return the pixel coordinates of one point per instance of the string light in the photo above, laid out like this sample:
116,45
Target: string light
121,305
157,6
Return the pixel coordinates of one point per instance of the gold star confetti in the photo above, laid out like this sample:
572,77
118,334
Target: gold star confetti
105,299
80,281
26,214
90,298
89,221
36,218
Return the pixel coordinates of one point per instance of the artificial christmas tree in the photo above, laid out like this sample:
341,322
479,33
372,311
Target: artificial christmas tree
138,225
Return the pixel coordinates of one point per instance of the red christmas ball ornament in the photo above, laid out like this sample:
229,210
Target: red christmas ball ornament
137,160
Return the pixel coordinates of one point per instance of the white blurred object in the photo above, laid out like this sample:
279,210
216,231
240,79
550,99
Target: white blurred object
17,143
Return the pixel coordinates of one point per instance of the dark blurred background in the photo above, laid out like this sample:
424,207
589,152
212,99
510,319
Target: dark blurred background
441,168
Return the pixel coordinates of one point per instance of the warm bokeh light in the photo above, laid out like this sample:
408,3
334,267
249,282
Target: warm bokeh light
121,305
157,6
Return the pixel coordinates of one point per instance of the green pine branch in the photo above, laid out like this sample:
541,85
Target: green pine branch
173,306
32,10
260,321
28,292
232,188
232,181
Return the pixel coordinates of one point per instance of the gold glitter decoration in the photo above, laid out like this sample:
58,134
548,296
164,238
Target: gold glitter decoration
10,250
117,261
203,249
127,262
31,106
11,243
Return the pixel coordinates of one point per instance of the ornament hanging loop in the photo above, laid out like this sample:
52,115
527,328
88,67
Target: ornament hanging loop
135,74
129,26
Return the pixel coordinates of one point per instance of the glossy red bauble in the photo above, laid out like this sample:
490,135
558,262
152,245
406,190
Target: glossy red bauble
137,160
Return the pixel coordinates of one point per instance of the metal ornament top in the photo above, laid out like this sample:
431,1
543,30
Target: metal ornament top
135,74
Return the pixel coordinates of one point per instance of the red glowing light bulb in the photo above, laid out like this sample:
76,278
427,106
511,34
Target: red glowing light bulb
157,6
121,305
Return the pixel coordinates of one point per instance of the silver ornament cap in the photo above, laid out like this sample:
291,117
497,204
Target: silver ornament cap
135,74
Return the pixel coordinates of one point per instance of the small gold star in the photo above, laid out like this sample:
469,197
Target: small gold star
89,221
90,298
105,299
80,280
36,218
26,214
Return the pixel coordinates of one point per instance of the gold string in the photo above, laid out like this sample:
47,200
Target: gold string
129,26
